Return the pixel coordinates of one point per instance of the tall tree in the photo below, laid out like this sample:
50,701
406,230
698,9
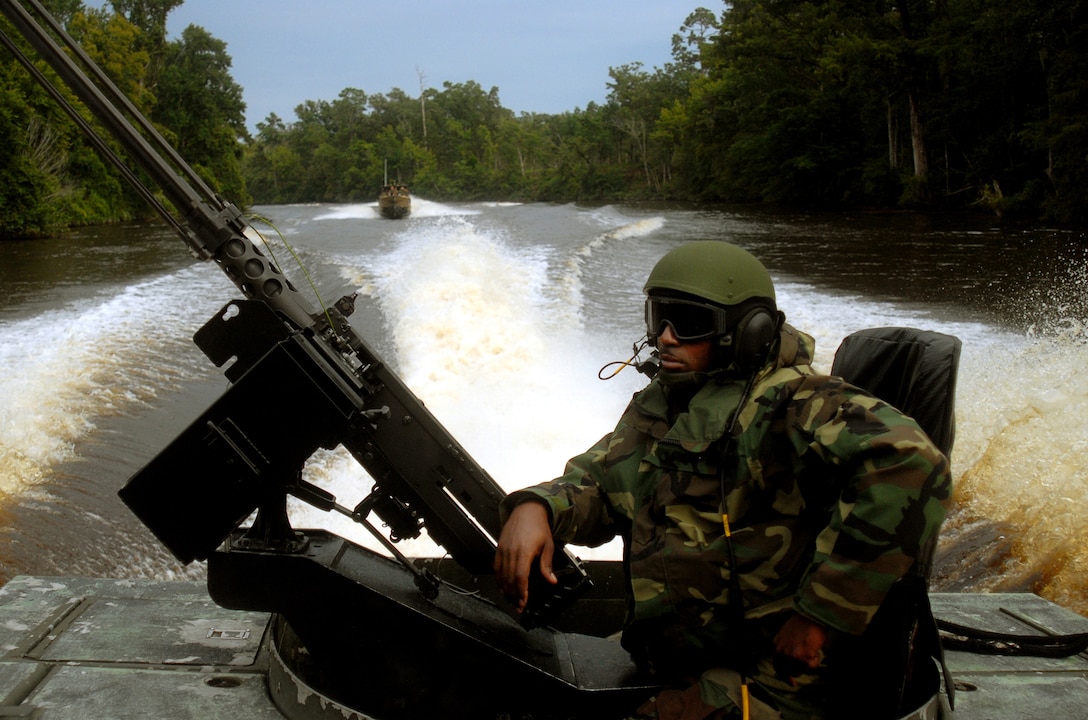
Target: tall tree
51,176
699,28
150,17
636,100
914,17
202,104
1066,126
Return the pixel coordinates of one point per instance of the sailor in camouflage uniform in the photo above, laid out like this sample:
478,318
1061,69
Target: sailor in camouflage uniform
738,473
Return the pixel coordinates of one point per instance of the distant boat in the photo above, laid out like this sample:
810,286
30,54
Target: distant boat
394,202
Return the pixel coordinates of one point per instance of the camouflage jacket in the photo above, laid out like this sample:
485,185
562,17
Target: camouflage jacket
830,494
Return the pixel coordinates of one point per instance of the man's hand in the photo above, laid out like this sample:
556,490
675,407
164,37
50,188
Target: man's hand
801,639
525,536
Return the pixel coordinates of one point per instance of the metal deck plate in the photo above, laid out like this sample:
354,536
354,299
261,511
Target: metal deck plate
97,648
77,648
991,687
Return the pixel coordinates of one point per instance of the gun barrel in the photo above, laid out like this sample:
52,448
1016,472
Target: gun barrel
416,464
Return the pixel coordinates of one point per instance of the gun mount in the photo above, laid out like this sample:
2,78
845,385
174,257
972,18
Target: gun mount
303,379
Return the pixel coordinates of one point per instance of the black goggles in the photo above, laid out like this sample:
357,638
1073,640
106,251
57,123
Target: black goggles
688,319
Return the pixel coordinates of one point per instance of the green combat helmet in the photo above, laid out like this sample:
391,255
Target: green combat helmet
716,271
714,289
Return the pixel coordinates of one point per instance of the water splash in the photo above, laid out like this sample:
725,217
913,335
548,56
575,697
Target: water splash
1022,456
66,369
467,311
478,337
570,281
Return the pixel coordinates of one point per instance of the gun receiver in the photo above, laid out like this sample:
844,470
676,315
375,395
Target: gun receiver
302,378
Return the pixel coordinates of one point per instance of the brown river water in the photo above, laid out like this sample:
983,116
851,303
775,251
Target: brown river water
499,317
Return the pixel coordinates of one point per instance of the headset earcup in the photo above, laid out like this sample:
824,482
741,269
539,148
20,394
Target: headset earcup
753,337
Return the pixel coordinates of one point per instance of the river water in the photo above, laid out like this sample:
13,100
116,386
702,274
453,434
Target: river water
500,318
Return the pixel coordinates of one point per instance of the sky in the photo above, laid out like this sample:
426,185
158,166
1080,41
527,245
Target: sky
544,56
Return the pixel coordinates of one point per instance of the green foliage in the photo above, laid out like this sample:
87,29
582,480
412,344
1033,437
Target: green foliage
25,188
202,105
971,104
51,177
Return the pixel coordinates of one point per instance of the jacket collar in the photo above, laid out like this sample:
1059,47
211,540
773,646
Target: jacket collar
714,404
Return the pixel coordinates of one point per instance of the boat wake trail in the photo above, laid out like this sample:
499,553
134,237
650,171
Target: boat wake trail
474,334
65,369
572,284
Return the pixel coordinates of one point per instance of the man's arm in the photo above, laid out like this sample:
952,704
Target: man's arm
892,503
525,536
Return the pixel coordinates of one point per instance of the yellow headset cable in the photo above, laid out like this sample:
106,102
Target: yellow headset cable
744,706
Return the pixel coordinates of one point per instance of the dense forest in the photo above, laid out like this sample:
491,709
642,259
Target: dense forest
930,104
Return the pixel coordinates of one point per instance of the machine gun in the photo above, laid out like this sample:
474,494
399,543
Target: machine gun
303,379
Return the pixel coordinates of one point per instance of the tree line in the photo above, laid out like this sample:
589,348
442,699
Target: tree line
52,178
950,104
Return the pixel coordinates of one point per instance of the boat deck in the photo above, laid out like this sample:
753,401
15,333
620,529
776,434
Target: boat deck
76,648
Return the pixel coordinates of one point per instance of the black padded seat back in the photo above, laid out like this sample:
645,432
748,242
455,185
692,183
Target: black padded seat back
913,370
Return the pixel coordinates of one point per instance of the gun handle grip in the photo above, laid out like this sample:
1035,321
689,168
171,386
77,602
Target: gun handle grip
546,600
